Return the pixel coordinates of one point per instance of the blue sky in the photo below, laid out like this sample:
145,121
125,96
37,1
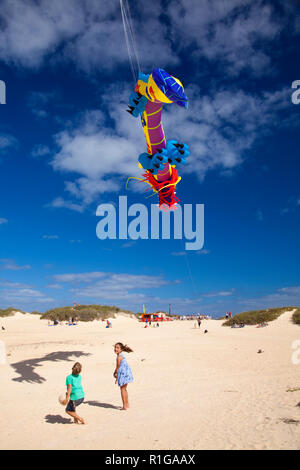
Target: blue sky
67,145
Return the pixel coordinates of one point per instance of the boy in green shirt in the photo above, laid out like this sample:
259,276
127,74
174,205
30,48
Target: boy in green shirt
75,393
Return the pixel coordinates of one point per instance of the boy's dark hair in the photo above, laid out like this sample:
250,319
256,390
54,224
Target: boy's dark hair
124,347
76,369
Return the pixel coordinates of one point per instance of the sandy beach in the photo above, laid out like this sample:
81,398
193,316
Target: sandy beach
191,390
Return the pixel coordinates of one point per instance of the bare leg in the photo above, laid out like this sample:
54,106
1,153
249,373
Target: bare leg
124,395
76,417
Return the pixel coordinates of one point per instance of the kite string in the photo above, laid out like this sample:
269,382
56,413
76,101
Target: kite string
130,39
186,256
135,68
127,40
134,43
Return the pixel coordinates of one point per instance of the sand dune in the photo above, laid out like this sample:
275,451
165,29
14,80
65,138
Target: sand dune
191,390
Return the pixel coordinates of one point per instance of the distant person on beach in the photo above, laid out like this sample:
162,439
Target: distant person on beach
199,322
123,373
75,393
238,325
262,325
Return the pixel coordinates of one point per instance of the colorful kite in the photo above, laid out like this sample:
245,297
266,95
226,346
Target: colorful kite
162,157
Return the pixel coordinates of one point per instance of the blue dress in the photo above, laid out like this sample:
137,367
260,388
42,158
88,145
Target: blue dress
124,372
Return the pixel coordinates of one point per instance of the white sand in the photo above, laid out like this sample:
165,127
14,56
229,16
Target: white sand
191,390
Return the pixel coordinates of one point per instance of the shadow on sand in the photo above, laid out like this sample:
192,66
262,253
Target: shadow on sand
101,405
26,369
57,419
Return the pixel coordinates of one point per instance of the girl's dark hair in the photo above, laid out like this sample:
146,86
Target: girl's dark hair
76,369
124,347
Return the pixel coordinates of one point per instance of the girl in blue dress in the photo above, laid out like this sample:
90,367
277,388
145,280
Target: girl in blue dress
122,373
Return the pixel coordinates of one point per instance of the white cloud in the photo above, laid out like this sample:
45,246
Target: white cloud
220,293
10,284
38,102
30,293
295,290
105,156
203,252
22,296
185,253
79,277
112,286
234,34
3,221
128,244
219,128
96,150
259,215
179,253
7,142
50,237
80,31
282,297
32,30
291,205
59,202
54,286
40,150
10,265
88,189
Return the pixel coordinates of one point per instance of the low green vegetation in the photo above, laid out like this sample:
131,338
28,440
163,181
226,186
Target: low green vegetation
254,317
8,312
296,316
83,312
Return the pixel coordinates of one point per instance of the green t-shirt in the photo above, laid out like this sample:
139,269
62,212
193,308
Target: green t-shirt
77,390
